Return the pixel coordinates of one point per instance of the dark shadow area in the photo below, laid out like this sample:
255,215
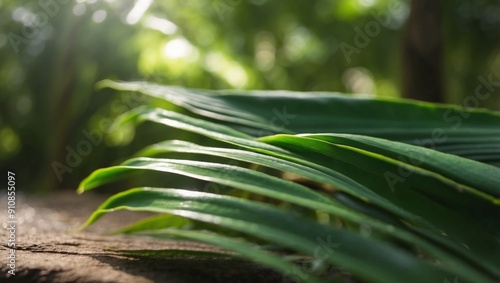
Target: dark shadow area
192,269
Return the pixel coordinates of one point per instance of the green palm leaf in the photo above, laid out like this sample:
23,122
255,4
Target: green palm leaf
431,214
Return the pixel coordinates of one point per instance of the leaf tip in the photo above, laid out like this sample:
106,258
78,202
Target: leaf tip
80,189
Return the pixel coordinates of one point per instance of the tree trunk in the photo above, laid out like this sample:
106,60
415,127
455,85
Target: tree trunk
423,48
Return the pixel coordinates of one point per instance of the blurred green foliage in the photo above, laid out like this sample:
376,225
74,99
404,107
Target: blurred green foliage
52,52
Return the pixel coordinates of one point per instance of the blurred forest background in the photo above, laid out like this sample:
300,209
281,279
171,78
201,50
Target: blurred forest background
52,52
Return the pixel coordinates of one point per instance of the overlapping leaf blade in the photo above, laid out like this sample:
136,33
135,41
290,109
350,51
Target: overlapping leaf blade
225,134
479,175
457,226
270,112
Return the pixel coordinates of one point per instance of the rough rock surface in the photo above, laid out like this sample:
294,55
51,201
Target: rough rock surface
46,252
